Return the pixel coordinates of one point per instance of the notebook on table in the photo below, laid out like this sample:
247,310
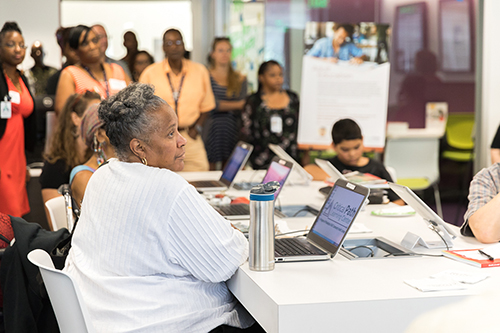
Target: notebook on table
331,226
236,161
278,171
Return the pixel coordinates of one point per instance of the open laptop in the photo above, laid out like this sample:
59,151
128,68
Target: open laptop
435,222
278,171
281,153
331,226
236,161
354,177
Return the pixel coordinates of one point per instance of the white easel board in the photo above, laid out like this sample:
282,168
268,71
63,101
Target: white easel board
332,91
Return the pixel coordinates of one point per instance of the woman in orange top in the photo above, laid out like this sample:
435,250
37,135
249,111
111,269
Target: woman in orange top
92,73
16,120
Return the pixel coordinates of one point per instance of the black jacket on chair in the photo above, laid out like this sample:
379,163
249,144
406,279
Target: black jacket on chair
27,306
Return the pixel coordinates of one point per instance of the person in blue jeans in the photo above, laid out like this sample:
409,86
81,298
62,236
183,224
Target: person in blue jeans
337,48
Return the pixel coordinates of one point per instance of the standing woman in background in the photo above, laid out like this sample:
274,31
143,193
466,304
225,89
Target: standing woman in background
230,90
91,73
17,123
271,116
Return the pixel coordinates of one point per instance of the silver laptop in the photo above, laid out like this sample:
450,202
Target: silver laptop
435,222
278,171
331,226
236,161
331,171
335,174
281,153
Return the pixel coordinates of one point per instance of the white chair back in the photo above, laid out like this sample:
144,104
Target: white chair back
413,157
71,313
57,213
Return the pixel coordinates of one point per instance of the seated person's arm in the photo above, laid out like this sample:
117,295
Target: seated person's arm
495,155
485,222
79,185
483,212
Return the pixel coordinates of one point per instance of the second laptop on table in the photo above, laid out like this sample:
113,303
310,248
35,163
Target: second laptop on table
236,161
278,171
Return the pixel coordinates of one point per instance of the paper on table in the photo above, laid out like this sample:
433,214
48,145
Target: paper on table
493,250
473,255
438,284
460,276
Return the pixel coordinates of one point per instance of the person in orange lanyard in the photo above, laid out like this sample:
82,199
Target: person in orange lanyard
17,123
91,73
185,86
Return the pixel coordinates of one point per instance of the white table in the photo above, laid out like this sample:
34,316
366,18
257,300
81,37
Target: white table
350,295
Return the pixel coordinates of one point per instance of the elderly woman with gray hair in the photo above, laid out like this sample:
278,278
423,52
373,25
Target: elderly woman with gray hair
149,254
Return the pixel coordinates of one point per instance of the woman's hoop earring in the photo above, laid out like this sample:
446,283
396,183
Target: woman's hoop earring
144,161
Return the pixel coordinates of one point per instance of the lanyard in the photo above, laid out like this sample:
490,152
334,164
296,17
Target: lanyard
176,94
105,78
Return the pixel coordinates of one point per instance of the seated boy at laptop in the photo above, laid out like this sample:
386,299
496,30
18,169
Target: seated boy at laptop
348,144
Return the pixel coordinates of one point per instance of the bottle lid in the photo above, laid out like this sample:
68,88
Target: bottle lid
264,192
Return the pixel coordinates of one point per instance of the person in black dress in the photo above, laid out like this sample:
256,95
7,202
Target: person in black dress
271,116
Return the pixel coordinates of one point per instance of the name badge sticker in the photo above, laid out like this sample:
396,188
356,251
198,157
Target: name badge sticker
115,84
15,97
276,124
5,110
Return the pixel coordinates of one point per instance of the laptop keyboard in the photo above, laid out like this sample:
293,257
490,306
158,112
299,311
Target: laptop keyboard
241,209
290,247
207,183
244,186
237,209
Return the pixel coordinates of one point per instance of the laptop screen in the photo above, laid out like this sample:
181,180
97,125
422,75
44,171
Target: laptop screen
234,164
277,172
337,215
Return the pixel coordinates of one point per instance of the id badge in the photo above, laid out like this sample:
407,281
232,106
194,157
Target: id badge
276,124
5,110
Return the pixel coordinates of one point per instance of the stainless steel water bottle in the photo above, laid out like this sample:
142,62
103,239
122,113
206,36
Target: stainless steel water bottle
261,232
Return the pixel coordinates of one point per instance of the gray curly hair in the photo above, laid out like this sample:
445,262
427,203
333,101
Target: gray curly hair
127,115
